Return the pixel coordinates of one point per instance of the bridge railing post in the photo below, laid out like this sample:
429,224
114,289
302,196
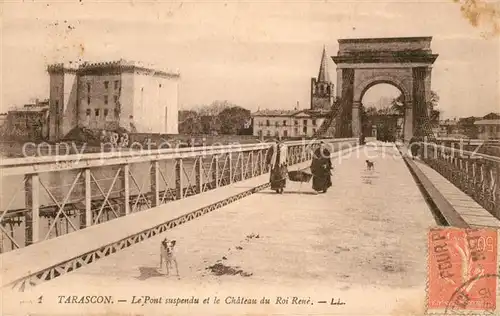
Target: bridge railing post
253,163
264,160
496,189
32,200
199,174
230,167
215,170
242,170
88,199
261,161
155,182
179,180
126,188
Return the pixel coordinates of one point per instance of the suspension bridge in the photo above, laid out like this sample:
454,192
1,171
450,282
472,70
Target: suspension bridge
114,208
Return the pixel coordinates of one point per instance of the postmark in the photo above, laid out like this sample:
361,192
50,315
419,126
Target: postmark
460,297
462,270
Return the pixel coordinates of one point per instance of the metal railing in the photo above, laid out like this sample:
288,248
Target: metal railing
46,197
467,140
488,147
476,174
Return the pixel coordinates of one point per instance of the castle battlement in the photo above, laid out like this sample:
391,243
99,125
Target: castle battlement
63,67
120,65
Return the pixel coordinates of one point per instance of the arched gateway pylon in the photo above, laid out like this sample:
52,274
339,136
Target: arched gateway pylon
405,62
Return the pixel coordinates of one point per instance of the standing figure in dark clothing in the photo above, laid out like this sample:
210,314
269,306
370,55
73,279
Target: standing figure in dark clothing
321,167
277,160
414,146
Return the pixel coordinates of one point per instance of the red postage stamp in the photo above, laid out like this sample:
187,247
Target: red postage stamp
462,269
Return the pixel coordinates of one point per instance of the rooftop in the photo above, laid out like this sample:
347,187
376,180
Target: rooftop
323,75
491,116
448,122
385,39
29,109
44,104
304,112
385,50
487,122
267,112
84,66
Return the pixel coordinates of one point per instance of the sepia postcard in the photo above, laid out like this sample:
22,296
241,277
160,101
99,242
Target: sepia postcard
250,157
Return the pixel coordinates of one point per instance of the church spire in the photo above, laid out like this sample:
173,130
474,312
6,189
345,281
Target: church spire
323,68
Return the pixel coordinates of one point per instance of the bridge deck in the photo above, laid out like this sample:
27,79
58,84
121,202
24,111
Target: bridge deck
367,233
471,212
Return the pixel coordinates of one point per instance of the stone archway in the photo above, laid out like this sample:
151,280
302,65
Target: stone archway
404,62
373,79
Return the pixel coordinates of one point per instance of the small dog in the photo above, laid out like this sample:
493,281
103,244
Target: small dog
370,165
167,254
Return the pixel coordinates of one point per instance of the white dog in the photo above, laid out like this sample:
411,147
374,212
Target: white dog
167,254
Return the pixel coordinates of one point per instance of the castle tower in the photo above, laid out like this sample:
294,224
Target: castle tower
322,92
63,100
108,95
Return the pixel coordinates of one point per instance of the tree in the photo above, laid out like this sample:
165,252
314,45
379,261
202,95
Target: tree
397,105
220,117
186,114
434,117
466,127
214,108
364,117
433,101
210,124
431,107
233,119
388,111
371,111
189,122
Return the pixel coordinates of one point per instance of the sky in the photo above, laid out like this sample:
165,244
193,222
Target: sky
254,54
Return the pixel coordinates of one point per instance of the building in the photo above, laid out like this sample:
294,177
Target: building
492,116
488,128
385,124
299,123
322,89
29,122
38,105
247,124
3,119
447,128
287,123
109,95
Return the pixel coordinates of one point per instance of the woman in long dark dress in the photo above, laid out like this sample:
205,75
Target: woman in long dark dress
277,160
320,169
414,146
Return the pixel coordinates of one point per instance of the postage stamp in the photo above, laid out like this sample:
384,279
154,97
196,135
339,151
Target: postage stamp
462,270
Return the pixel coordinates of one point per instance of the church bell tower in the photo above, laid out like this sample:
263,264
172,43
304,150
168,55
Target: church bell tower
321,88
